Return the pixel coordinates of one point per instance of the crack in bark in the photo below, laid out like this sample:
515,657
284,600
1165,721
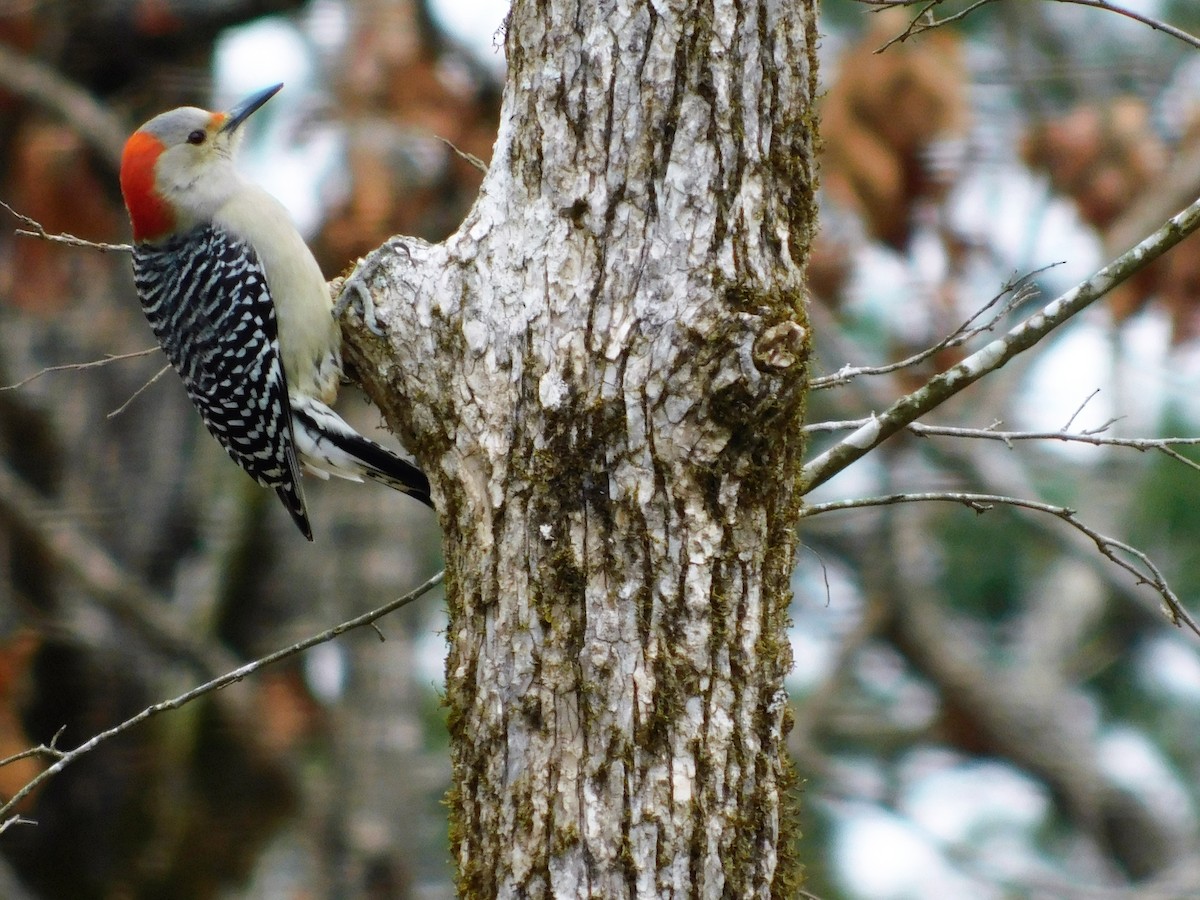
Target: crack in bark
617,474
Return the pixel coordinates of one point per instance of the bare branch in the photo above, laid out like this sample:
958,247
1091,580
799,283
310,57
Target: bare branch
1108,546
39,750
926,21
34,228
999,352
64,759
71,367
1075,415
15,820
1156,24
51,750
1021,289
1092,436
834,425
124,406
468,157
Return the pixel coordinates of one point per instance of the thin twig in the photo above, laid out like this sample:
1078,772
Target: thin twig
1075,415
981,503
925,20
1091,436
34,228
1156,24
71,367
68,757
469,157
51,750
124,406
1021,290
945,385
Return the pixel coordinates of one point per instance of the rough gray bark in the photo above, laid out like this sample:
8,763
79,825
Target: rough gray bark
602,372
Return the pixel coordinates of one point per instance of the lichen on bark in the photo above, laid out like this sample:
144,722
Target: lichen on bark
602,372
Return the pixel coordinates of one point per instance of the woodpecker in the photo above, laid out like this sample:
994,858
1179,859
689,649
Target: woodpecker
241,309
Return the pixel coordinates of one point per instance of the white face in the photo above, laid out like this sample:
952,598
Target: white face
197,148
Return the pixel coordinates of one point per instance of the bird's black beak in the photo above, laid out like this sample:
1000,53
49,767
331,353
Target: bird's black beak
247,107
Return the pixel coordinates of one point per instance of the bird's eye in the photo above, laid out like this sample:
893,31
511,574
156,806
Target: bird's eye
196,137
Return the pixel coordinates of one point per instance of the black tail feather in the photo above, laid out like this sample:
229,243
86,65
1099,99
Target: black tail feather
384,466
293,499
376,462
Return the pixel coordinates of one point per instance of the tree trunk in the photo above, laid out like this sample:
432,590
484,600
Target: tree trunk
602,372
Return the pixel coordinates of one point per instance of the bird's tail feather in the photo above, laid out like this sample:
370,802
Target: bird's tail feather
293,498
329,446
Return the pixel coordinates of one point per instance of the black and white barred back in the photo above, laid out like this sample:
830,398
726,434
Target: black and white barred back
205,295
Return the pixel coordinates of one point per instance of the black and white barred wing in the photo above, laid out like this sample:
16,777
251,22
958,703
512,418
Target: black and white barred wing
205,295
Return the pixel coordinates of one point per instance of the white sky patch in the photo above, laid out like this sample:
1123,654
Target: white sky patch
257,55
1138,765
1171,666
882,857
287,150
812,659
1076,362
477,24
431,650
1013,213
1135,373
325,671
822,617
957,802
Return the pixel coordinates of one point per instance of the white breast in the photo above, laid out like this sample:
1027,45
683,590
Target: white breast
309,339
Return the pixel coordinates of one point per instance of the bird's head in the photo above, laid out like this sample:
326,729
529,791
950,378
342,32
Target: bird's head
177,169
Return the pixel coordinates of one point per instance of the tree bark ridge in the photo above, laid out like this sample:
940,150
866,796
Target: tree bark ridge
602,372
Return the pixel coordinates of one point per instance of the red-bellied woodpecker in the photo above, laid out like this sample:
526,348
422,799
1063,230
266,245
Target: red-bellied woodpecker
241,309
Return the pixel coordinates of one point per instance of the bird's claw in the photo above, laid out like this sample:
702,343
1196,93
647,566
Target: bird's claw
356,292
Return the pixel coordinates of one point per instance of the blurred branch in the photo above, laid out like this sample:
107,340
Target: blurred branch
1108,546
42,85
997,353
1025,713
74,553
926,21
62,759
1178,185
11,887
1021,289
823,698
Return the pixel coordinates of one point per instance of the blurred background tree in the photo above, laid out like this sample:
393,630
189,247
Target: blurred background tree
984,707
275,789
988,709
